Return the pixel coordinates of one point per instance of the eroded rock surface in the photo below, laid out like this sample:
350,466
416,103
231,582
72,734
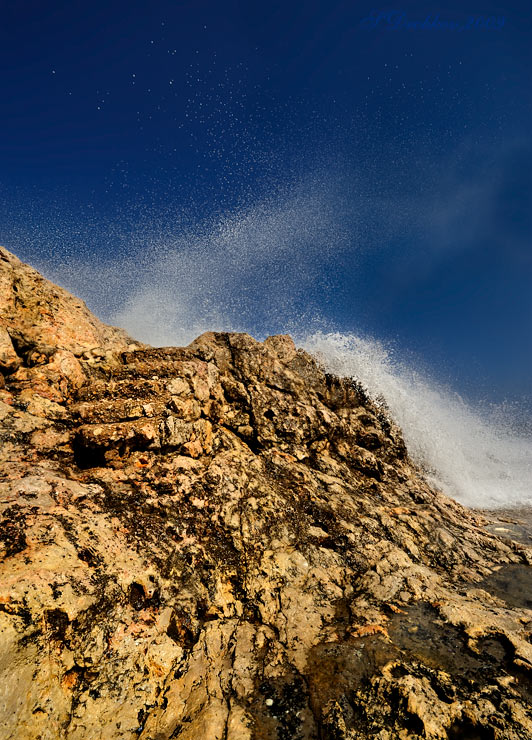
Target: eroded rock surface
37,318
224,542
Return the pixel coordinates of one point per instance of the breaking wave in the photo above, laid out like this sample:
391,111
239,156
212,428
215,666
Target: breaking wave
471,454
272,268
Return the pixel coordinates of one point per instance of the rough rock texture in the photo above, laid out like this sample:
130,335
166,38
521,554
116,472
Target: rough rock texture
224,542
37,318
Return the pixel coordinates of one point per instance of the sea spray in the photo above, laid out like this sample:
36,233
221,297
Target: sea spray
469,453
277,266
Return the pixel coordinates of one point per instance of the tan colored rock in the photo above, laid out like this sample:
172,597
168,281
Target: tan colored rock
44,317
9,360
222,541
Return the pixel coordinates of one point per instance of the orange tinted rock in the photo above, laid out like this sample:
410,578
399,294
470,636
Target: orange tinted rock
221,541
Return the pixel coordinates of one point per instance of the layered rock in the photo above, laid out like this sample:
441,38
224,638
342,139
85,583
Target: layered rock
224,542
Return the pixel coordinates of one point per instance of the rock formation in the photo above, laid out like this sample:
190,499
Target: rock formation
223,542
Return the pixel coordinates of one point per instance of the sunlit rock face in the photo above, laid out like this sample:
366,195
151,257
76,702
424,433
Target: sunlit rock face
41,317
224,542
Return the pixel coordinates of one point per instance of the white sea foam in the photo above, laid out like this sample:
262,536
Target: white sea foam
471,454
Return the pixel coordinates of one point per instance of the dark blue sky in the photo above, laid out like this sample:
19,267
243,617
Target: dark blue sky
404,153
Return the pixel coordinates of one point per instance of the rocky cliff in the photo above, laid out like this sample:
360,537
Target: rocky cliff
223,542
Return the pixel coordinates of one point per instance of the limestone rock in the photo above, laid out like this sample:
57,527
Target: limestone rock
9,360
41,317
223,542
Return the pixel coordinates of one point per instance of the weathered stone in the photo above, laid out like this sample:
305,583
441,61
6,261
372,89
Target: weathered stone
43,317
9,360
222,541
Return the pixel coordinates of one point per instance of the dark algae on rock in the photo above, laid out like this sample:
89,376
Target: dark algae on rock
224,542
